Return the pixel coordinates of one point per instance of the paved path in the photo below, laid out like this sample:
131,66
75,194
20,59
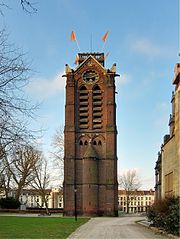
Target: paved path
114,228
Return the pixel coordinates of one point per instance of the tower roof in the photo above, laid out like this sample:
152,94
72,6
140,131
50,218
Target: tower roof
90,152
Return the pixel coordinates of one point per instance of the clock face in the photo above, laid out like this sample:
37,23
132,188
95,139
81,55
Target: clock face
90,77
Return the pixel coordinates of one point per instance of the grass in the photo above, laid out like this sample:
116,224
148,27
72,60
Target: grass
13,227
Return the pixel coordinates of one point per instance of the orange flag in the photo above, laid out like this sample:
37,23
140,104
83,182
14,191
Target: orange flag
73,36
105,36
76,59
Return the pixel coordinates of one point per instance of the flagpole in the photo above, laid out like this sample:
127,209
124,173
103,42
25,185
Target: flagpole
103,46
77,45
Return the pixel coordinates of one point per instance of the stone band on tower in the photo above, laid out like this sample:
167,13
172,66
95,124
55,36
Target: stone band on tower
90,162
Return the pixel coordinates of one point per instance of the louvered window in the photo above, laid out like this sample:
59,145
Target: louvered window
83,108
97,107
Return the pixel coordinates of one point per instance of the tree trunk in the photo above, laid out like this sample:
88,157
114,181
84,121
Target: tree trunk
128,204
46,205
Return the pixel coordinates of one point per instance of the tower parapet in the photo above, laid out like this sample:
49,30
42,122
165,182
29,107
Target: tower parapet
97,55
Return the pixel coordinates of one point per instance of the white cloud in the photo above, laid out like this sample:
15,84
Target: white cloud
162,122
149,48
146,47
123,79
162,111
45,88
162,106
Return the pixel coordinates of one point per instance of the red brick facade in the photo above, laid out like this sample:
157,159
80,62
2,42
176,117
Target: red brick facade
90,163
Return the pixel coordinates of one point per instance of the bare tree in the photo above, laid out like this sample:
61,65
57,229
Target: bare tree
5,181
20,166
41,180
58,152
15,107
27,6
130,182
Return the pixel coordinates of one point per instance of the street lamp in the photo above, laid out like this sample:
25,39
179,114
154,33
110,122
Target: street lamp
75,204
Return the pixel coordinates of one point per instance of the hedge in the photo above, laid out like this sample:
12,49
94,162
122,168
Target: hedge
165,213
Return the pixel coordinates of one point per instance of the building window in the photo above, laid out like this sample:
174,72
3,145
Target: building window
169,184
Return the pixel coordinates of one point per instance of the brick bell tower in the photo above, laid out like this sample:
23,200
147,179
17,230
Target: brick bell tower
90,162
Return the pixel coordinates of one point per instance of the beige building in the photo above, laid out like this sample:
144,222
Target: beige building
168,164
31,198
137,200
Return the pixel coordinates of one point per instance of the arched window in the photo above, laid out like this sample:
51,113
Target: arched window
94,142
80,142
83,107
96,87
99,143
86,142
83,87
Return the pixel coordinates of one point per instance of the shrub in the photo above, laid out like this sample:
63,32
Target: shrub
9,203
165,214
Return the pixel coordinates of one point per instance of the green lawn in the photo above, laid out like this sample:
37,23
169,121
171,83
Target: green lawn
38,227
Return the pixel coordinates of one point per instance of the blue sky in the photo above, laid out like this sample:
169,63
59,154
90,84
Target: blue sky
143,41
